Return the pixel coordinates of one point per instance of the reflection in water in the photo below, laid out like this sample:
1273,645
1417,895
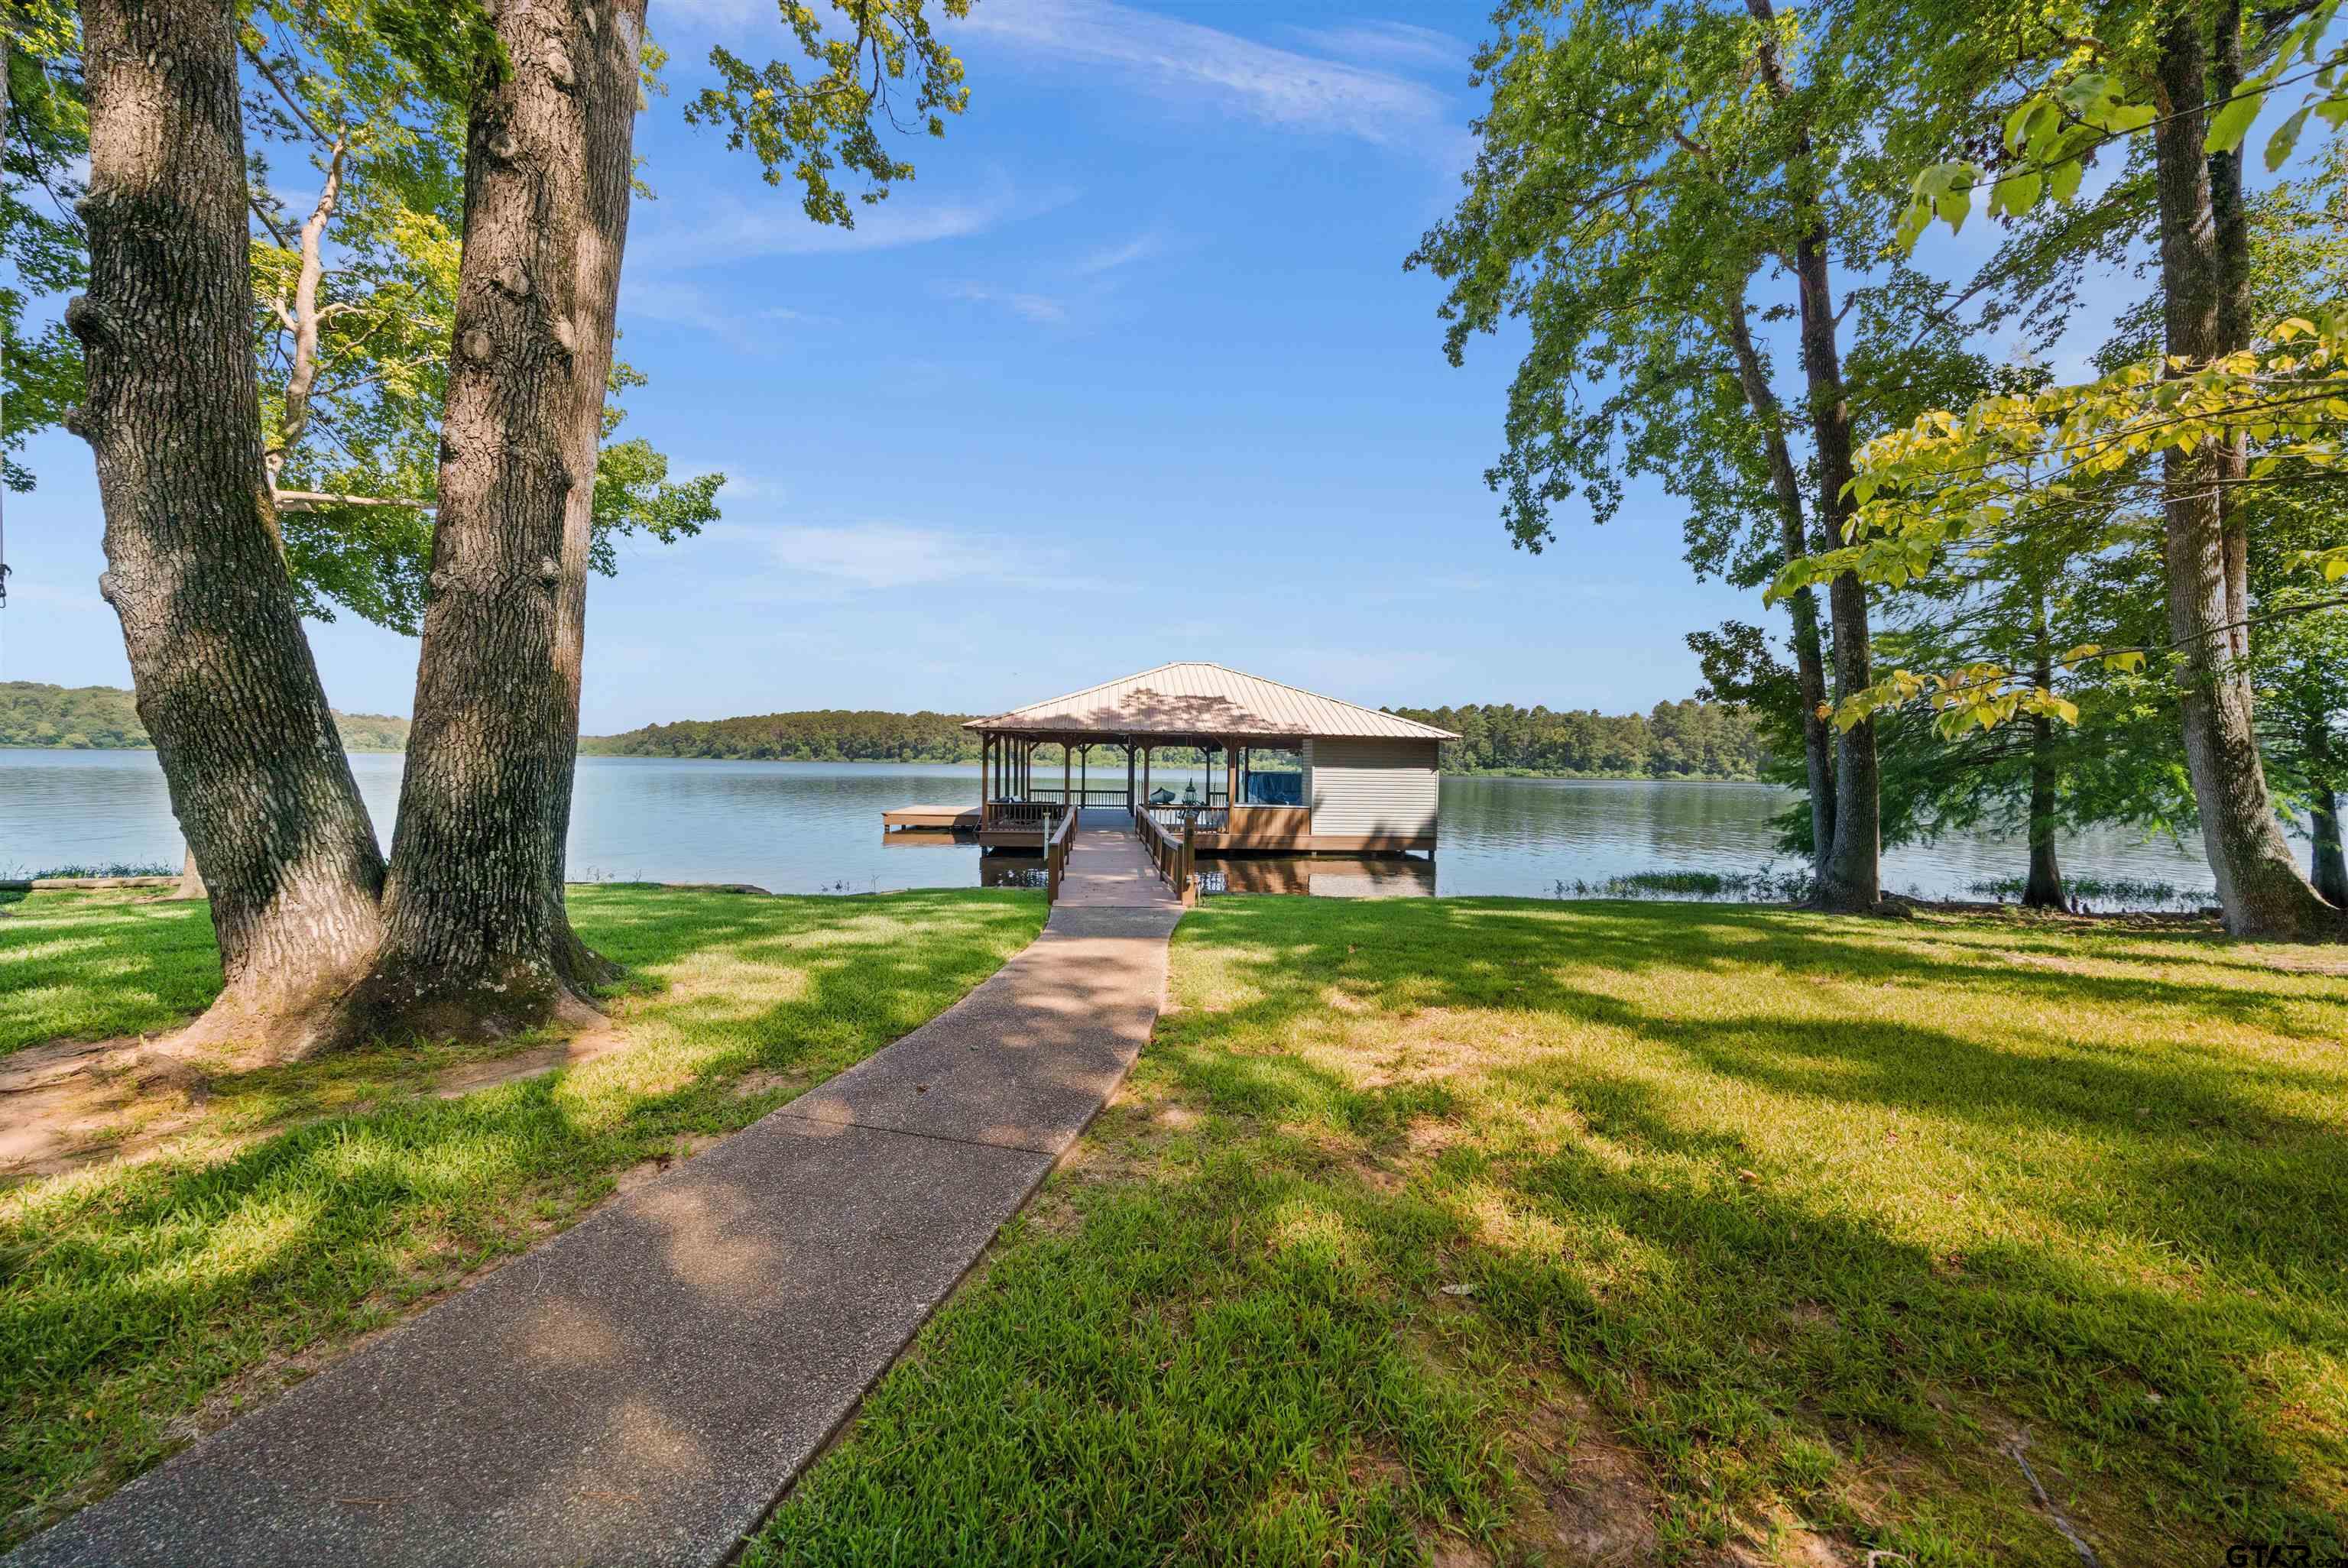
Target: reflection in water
1322,876
1009,869
804,827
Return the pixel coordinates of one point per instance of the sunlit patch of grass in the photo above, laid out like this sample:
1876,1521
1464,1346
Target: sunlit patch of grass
1657,1231
307,1204
91,966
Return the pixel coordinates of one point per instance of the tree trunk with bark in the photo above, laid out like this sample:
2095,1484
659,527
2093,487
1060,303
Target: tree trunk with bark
608,156
2259,883
192,880
225,682
1810,659
2327,864
476,936
1851,878
2044,890
1850,874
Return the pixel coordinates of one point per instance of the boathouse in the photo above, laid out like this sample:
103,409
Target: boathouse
1287,770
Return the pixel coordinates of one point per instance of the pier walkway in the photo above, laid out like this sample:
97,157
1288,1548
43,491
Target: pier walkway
642,1389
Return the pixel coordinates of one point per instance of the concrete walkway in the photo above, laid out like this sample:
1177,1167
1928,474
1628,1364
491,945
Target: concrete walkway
641,1389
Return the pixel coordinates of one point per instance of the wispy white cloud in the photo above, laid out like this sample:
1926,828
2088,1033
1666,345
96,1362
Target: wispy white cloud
803,561
869,555
1276,87
680,302
1109,258
1035,307
1077,289
1394,43
740,485
728,229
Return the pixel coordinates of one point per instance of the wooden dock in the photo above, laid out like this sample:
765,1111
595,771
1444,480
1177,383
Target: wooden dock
956,818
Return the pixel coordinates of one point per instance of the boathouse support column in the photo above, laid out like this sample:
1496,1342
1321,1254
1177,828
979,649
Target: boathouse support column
1128,778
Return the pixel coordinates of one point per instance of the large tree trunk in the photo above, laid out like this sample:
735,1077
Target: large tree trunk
192,880
2044,890
1850,876
2259,884
609,159
225,682
2327,865
476,937
1810,659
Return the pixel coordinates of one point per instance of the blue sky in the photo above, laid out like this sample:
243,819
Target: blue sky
1130,373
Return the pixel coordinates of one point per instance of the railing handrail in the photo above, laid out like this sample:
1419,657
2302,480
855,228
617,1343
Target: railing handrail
1174,857
1055,852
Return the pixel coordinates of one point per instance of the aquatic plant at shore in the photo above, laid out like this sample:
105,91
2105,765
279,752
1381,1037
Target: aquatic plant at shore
2118,892
1767,886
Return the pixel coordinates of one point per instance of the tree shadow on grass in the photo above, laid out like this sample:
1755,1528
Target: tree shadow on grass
127,1292
2135,1190
1722,1325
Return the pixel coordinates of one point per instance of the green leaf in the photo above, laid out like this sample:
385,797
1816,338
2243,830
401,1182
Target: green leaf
2285,137
2082,91
1955,201
2062,179
2232,123
2127,119
2018,192
2017,124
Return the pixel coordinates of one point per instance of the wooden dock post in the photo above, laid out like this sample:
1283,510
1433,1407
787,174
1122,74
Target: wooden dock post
1188,885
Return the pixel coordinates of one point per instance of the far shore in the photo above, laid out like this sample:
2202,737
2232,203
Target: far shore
972,766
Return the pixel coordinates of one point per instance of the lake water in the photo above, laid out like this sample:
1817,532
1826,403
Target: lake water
807,827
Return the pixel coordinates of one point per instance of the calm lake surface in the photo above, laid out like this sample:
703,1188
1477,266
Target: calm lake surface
808,827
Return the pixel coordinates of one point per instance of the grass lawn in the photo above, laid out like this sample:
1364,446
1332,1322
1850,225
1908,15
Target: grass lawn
86,966
1492,1230
298,1208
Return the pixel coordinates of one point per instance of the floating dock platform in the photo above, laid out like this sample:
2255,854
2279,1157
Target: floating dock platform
953,818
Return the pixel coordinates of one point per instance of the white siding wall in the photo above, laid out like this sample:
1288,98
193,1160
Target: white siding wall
1361,787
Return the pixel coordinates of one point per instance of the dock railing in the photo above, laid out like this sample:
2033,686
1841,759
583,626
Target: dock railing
1200,818
1173,849
1019,813
1102,795
1055,855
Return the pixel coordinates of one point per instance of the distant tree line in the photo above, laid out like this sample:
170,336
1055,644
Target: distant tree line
822,735
105,718
1687,738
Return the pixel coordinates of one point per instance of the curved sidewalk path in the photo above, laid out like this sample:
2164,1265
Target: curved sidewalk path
640,1390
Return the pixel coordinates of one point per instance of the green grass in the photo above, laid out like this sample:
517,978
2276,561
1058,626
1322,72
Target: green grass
91,966
1505,1231
140,1301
